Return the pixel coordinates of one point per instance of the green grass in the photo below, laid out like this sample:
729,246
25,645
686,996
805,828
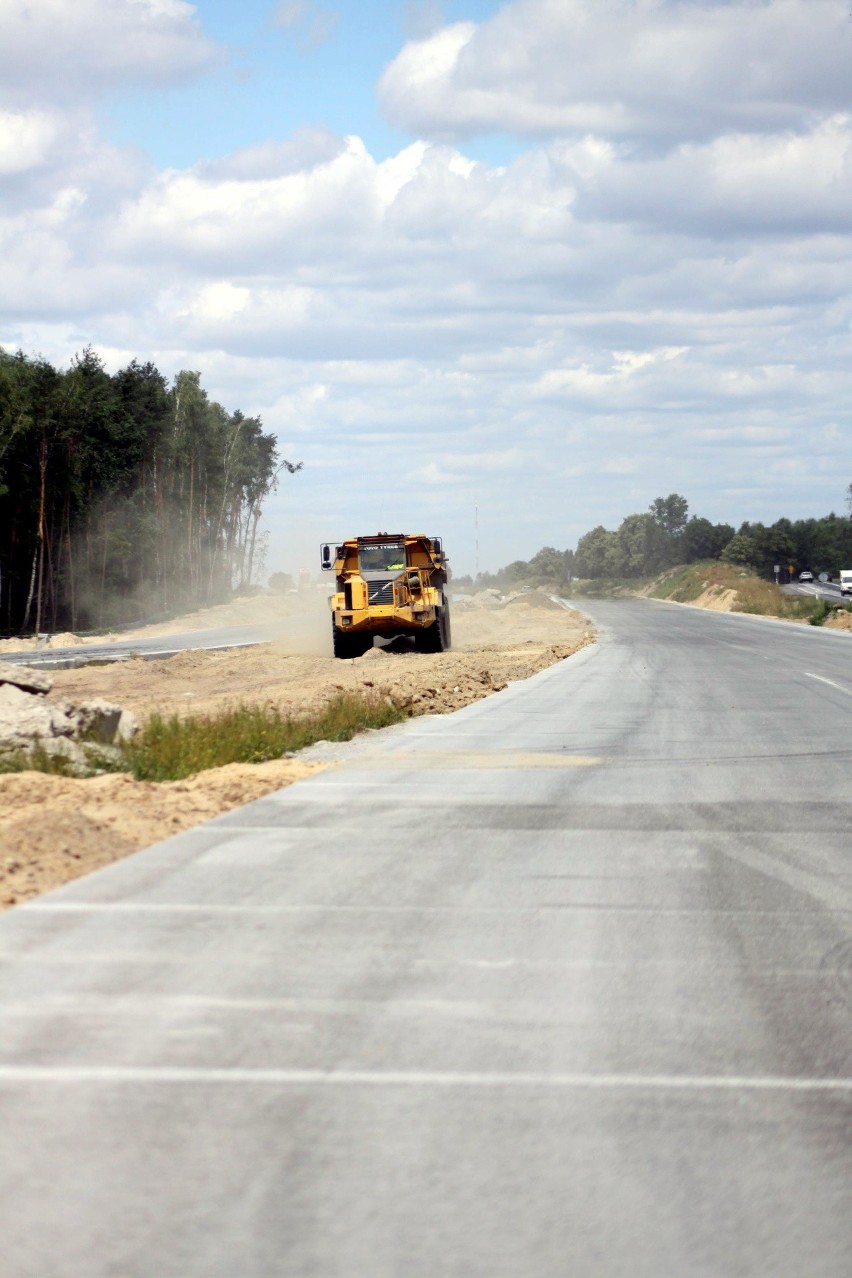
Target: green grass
37,760
602,588
168,749
827,610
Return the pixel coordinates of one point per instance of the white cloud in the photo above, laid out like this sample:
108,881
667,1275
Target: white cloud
205,217
732,185
642,69
620,466
27,139
289,13
668,312
56,50
313,23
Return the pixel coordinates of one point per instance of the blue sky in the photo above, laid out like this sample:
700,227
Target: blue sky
547,258
319,70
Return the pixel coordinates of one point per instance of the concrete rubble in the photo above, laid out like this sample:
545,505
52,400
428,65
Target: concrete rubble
78,731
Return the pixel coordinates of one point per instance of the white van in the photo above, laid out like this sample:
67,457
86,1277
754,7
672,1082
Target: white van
846,581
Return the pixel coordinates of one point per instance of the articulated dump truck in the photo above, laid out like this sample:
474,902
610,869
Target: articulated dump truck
389,584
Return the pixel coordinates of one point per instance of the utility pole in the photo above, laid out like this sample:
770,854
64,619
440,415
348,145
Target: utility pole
476,537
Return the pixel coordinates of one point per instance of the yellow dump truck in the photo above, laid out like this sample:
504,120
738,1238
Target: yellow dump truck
388,584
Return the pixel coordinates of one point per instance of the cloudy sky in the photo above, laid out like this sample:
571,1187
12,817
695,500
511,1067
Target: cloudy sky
547,259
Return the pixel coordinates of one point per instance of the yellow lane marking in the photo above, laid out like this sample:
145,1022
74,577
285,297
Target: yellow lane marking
475,759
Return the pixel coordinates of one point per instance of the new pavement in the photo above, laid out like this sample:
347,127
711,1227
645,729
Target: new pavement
558,985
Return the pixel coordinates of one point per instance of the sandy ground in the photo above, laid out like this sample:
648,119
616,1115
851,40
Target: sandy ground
717,598
53,829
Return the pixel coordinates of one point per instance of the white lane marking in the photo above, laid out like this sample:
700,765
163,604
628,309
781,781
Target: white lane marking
414,1078
830,682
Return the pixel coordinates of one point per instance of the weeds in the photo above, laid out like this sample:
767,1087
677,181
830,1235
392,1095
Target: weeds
168,749
753,594
37,760
826,611
602,588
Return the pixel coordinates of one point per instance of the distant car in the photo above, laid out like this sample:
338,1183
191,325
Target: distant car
806,576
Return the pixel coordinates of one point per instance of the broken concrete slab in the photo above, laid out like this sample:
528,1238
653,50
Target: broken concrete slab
95,720
24,677
26,719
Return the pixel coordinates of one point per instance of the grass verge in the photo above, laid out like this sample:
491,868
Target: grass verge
826,611
753,595
169,749
37,760
602,588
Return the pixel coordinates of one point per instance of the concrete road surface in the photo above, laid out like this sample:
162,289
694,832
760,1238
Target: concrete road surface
558,985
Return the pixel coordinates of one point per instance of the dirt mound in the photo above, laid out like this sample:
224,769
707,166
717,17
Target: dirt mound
534,599
717,598
53,828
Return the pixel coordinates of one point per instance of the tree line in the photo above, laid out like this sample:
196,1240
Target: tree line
665,535
122,498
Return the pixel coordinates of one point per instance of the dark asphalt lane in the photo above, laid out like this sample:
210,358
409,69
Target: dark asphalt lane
828,590
119,649
560,984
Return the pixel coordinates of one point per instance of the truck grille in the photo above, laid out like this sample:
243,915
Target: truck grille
380,592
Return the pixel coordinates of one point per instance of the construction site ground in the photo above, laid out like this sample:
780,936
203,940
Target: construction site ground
53,829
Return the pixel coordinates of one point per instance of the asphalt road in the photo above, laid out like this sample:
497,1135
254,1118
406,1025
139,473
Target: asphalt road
119,649
559,985
828,590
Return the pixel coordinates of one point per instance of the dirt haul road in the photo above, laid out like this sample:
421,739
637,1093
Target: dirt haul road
53,828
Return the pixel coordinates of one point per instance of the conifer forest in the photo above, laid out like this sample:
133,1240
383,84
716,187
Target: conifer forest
122,498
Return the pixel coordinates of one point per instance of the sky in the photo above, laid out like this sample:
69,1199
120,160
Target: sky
494,272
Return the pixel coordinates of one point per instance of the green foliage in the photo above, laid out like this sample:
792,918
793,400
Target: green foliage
825,610
740,550
169,749
702,540
36,760
644,544
548,567
640,546
595,551
669,513
601,588
122,499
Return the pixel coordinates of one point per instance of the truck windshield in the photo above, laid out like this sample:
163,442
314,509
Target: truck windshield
382,558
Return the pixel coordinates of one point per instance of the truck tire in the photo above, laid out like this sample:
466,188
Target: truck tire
446,634
349,646
435,638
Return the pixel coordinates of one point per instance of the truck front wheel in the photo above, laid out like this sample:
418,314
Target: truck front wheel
349,646
435,638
